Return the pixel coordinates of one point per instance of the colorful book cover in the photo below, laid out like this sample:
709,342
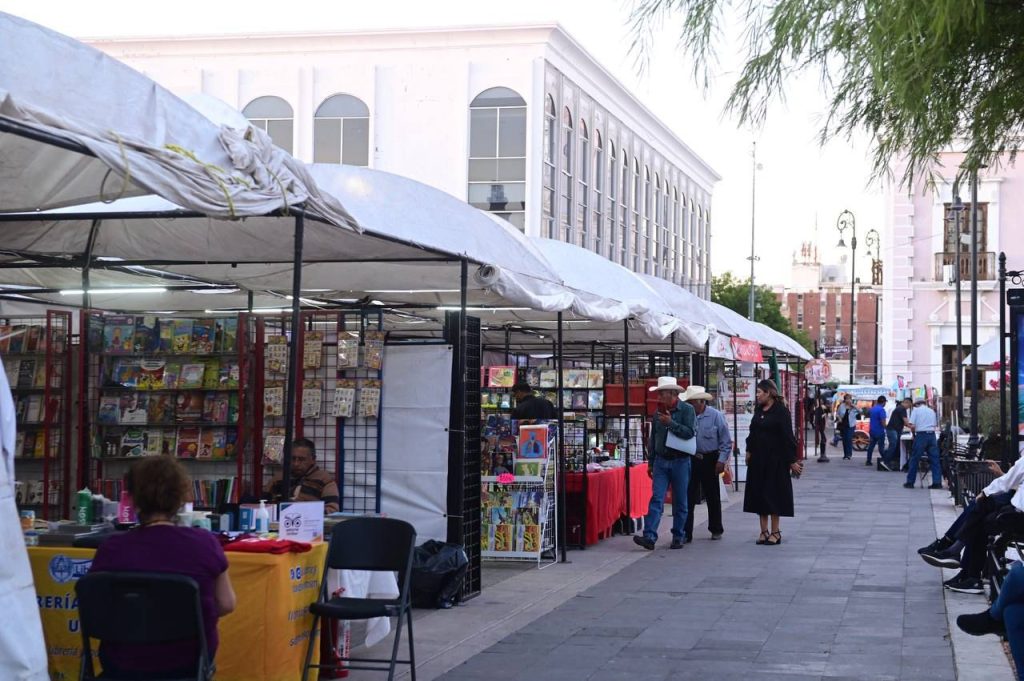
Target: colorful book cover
218,442
501,377
39,380
169,442
373,349
151,374
532,376
528,469
19,444
215,407
165,343
32,335
276,354
172,373
576,378
579,400
503,537
28,445
344,399
188,406
154,441
369,398
230,443
205,444
191,376
147,335
134,409
229,375
109,409
34,409
273,444
188,443
312,349
595,399
182,336
533,442
17,336
312,398
229,334
133,442
202,336
548,378
273,399
505,401
595,378
232,408
26,373
348,350
127,372
119,334
211,374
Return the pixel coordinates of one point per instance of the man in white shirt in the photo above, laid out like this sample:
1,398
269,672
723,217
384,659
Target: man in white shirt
923,424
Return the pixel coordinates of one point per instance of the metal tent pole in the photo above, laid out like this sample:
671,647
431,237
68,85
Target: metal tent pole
293,358
625,429
974,442
1004,439
562,524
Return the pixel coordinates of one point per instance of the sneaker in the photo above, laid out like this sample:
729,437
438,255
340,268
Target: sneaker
868,462
942,559
940,544
882,466
908,485
954,579
676,544
936,486
980,624
968,585
823,459
715,536
643,541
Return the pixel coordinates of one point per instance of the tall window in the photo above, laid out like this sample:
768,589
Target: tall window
583,209
567,180
656,242
274,116
613,182
624,212
635,199
695,282
677,224
550,144
341,131
956,246
684,246
598,221
497,154
667,247
645,252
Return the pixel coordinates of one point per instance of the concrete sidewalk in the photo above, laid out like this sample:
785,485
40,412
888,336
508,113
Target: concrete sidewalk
844,597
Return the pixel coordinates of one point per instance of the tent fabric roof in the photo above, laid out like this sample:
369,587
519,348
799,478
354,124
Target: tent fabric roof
691,311
988,352
94,129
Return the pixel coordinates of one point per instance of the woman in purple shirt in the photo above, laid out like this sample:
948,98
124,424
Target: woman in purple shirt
159,486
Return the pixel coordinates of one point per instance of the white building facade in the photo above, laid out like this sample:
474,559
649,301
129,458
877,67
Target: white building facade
520,121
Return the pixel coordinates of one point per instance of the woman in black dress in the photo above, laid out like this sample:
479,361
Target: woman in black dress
771,459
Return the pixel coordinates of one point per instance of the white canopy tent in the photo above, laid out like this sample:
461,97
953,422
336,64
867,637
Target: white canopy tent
988,353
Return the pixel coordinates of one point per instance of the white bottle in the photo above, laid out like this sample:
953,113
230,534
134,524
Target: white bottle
262,518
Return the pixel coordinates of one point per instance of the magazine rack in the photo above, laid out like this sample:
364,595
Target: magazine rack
37,357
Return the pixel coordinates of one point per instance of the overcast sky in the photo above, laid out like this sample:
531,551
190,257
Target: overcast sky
800,184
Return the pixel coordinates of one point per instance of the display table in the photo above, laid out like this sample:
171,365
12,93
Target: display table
640,490
264,639
595,502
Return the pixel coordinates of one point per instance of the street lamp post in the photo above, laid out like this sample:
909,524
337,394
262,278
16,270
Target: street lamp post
874,249
755,166
974,442
847,221
958,207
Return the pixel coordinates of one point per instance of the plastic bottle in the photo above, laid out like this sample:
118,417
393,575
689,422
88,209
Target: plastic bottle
84,506
262,518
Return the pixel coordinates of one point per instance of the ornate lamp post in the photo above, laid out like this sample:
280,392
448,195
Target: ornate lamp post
874,243
846,221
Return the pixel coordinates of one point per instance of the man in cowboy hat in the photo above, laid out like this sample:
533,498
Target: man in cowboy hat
668,465
714,446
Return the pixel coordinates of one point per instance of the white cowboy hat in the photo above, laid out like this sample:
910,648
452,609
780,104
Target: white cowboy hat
695,392
666,383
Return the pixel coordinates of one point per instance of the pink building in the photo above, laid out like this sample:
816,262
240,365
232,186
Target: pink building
921,252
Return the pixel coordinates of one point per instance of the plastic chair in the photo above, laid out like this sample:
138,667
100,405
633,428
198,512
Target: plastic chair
376,544
141,608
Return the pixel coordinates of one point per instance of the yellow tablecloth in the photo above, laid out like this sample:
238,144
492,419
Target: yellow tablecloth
264,639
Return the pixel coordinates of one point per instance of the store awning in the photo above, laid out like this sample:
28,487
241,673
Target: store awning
688,308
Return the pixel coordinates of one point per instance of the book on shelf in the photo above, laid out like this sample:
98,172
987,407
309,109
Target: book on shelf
109,410
203,335
273,399
118,334
17,336
5,339
229,375
501,376
595,378
230,443
154,442
126,372
133,442
211,374
161,409
312,349
532,376
188,406
181,336
26,373
165,339
188,442
39,380
191,376
273,444
151,374
276,354
548,378
134,409
215,407
12,368
169,442
232,408
147,334
227,338
205,444
33,334
172,373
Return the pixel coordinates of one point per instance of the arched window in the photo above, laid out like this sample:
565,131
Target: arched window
568,147
645,252
583,197
635,198
274,116
550,144
613,182
684,244
655,224
676,239
598,221
497,154
695,263
341,131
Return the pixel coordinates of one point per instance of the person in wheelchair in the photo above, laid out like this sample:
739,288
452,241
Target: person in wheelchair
962,546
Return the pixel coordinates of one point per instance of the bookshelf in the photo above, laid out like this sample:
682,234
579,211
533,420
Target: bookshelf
170,386
37,361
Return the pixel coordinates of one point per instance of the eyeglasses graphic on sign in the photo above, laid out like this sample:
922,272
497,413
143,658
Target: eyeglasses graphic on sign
292,523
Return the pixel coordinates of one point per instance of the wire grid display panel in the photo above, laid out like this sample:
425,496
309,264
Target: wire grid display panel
270,333
359,436
471,458
319,379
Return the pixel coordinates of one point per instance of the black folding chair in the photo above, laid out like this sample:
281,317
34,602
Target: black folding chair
379,544
141,608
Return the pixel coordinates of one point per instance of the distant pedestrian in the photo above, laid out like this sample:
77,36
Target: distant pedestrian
876,429
771,460
819,416
894,431
846,423
714,446
923,423
530,406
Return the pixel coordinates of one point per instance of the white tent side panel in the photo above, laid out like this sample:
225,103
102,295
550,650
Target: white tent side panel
414,454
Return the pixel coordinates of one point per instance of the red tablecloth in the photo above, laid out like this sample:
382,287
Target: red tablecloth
602,502
639,492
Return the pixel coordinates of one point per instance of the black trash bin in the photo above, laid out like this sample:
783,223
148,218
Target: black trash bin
438,570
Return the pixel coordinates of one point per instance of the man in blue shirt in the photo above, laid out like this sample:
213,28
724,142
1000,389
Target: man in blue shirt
877,429
668,465
714,446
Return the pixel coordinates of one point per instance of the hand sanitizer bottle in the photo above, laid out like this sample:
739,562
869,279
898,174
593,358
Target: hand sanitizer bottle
262,518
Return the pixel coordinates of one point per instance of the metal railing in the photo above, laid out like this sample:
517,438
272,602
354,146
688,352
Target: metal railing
986,265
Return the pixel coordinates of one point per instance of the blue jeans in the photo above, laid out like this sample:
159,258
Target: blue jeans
892,454
1009,608
848,443
677,473
925,443
877,440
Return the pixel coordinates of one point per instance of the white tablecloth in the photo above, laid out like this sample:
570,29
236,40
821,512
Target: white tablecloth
365,584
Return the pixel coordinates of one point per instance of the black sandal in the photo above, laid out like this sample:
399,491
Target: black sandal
763,538
778,540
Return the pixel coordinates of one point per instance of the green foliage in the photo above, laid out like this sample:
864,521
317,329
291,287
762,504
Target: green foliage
988,415
917,75
733,293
